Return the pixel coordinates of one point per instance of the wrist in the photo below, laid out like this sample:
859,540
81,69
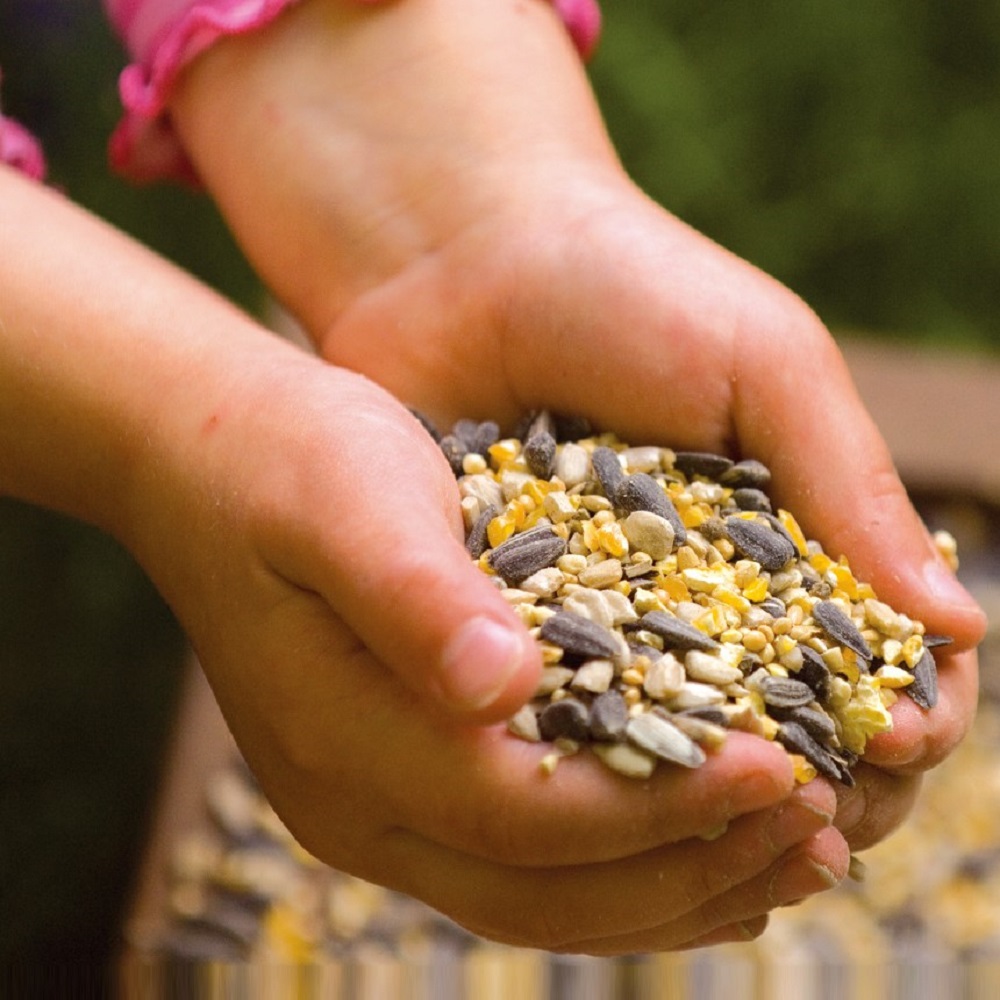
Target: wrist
396,126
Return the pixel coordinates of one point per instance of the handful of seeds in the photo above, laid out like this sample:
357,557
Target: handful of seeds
672,603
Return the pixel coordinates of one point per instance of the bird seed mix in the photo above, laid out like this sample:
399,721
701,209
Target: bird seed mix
672,603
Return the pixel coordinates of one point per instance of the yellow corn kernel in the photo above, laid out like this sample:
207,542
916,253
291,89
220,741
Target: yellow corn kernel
866,592
804,771
645,601
731,596
712,622
745,572
504,451
686,558
792,527
756,591
769,727
731,635
892,651
613,539
473,464
784,644
590,536
913,649
551,653
500,528
844,580
893,677
695,515
674,587
821,562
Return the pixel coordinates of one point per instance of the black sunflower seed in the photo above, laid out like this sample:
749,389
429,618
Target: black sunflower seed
521,555
467,431
707,713
570,428
840,628
817,724
794,738
641,491
701,463
933,641
774,606
477,541
748,498
814,672
608,717
608,470
578,636
487,433
755,541
567,719
454,450
675,632
540,454
786,692
924,689
748,474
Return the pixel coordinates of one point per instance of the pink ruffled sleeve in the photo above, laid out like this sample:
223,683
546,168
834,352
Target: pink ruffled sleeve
19,149
162,36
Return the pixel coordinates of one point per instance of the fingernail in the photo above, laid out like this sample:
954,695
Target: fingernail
793,822
478,663
799,878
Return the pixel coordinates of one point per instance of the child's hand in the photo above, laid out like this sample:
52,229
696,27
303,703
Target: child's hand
306,535
433,195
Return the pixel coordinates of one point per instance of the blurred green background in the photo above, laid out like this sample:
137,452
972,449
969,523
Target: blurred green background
849,149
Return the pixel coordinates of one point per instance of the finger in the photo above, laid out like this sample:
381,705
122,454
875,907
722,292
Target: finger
557,907
482,791
921,739
390,560
739,914
736,933
877,805
831,467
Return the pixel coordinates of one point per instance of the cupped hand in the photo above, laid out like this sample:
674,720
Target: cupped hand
436,201
306,533
594,301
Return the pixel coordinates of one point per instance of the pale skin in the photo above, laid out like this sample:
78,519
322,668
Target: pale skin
474,250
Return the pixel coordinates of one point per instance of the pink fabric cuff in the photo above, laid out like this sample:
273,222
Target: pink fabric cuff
20,150
162,36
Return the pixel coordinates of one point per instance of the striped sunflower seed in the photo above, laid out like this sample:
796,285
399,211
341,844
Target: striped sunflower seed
608,470
579,637
786,692
676,633
640,491
747,474
924,689
540,454
839,627
753,540
521,555
702,463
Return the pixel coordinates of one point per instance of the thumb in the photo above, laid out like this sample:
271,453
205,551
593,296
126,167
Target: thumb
395,569
833,469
